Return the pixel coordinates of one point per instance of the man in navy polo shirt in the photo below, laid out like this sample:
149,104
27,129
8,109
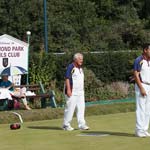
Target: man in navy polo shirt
5,83
142,91
74,94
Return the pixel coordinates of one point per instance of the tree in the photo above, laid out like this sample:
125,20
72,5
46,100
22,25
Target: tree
78,25
19,16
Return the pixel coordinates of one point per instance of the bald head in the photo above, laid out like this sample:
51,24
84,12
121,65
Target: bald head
78,59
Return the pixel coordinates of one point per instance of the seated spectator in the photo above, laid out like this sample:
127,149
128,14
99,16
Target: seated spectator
5,83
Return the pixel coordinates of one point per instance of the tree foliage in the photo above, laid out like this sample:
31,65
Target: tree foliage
73,25
106,26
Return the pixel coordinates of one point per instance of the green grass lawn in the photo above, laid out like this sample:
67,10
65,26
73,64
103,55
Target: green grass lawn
47,135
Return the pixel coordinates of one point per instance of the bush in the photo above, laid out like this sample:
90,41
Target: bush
106,74
98,90
42,68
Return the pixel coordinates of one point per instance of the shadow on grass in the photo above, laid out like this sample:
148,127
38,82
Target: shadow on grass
109,133
45,127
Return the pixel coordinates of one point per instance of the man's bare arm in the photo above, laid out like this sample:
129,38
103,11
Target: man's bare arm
138,81
69,93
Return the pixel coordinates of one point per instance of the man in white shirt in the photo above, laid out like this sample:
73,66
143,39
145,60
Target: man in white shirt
142,91
74,94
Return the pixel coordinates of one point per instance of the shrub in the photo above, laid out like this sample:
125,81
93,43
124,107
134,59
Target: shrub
106,74
42,68
98,90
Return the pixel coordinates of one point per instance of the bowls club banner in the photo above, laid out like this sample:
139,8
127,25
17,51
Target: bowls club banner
13,52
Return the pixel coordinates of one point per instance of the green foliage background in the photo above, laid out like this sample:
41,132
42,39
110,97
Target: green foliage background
102,71
73,25
104,26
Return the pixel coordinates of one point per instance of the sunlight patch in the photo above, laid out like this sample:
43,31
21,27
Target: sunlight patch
94,134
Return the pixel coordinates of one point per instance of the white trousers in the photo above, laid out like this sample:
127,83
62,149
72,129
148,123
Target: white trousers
74,102
142,108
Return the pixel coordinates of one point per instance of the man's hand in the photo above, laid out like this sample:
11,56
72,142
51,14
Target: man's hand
139,83
69,93
143,92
